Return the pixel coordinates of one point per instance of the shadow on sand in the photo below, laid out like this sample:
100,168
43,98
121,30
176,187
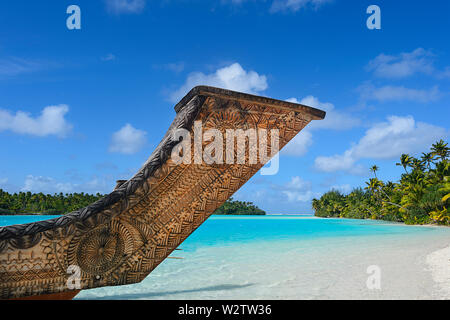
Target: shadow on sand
148,295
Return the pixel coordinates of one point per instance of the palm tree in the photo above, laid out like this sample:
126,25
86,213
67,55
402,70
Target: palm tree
374,185
315,204
417,164
405,161
374,169
441,171
440,149
427,159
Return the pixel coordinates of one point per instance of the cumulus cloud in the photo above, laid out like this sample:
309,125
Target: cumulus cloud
335,120
336,163
406,64
298,190
232,77
299,145
296,5
125,6
385,140
398,93
403,65
344,162
51,121
300,196
128,140
298,183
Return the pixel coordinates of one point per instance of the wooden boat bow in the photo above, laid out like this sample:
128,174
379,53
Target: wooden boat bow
125,235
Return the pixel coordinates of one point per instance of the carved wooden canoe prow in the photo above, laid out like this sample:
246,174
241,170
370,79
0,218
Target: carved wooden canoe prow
125,235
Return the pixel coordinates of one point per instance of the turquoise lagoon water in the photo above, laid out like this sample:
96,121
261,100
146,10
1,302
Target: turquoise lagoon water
288,257
11,220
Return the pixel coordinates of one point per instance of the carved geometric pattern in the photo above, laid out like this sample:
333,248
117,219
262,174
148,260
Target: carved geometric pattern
122,237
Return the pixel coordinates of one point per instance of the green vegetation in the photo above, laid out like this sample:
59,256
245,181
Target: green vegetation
232,207
45,204
420,197
39,203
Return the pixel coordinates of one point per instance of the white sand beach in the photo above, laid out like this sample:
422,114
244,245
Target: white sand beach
414,263
439,266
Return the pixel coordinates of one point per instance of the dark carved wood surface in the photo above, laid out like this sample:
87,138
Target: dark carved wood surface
122,237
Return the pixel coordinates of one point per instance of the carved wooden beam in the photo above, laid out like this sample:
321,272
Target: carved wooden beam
125,235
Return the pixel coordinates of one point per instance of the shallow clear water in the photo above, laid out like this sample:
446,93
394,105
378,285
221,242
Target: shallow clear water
289,257
11,220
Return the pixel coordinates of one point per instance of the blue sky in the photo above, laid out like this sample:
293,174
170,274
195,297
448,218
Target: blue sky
80,109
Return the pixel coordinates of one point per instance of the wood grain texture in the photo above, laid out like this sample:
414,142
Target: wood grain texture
125,235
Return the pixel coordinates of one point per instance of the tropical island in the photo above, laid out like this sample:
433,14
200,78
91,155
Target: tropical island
421,196
235,207
27,203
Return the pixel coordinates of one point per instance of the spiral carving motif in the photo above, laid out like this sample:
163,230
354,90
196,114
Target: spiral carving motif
100,250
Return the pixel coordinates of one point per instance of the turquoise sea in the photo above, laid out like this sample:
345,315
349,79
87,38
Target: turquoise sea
290,257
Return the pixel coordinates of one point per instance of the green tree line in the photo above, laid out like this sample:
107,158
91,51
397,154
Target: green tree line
39,203
421,196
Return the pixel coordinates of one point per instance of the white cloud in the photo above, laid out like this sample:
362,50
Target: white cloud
298,190
296,5
7,186
403,65
299,145
48,185
50,122
398,93
45,185
15,66
128,140
298,183
125,6
299,196
385,140
406,64
343,188
334,120
232,77
334,163
445,73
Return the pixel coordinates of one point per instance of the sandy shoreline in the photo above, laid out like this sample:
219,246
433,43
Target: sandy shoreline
412,268
438,263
